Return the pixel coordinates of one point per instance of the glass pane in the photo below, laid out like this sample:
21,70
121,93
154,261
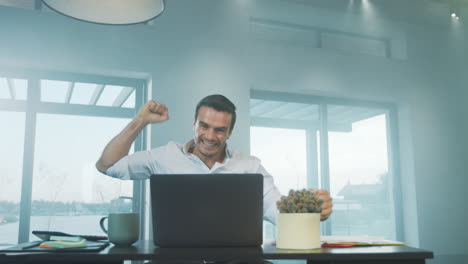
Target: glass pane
54,91
109,95
284,159
21,87
11,173
82,93
17,86
69,194
359,176
283,136
130,102
283,110
4,89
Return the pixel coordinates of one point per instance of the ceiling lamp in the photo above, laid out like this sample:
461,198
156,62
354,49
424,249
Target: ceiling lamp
112,12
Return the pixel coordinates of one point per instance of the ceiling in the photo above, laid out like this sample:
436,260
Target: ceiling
26,4
428,12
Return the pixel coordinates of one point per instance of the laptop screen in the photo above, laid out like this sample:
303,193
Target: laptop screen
207,210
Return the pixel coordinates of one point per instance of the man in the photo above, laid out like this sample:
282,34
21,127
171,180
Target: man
207,152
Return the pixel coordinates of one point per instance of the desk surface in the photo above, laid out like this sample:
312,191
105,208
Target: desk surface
145,250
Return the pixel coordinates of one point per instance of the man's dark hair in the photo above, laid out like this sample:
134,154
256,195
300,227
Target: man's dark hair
219,103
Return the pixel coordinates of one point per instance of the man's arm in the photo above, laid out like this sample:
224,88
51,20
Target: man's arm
119,146
272,195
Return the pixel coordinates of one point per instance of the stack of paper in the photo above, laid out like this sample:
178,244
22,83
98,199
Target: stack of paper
349,241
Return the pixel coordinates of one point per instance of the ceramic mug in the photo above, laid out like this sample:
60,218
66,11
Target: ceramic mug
123,228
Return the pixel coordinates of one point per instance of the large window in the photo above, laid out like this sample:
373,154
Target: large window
359,174
11,154
288,162
56,126
335,144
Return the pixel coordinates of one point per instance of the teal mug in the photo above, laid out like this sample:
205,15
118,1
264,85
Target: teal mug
122,228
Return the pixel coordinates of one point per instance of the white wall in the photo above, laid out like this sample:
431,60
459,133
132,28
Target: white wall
428,89
201,47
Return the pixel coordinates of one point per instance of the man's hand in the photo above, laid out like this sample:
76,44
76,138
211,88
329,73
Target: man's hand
119,146
327,206
153,112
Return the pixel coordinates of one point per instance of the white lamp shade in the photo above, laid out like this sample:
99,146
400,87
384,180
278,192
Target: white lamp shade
115,12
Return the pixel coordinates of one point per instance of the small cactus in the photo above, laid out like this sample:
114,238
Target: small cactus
303,201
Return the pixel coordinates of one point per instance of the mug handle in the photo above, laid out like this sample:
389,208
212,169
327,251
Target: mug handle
101,223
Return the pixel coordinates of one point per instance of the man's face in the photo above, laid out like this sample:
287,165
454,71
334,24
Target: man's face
212,130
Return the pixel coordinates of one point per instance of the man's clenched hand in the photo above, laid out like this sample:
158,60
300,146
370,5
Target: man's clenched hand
153,112
327,206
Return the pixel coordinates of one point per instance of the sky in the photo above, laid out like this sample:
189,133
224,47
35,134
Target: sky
356,157
66,150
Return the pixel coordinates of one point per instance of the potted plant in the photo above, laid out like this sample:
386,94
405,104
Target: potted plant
298,223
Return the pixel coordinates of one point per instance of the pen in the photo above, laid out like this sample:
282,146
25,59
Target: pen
31,244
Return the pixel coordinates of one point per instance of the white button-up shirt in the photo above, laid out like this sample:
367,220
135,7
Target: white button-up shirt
175,158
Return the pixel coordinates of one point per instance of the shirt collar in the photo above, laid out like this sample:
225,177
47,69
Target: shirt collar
191,144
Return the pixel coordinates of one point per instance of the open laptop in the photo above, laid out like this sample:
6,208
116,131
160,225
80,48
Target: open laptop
207,210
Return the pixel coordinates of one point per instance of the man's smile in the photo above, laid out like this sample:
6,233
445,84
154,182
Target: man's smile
209,144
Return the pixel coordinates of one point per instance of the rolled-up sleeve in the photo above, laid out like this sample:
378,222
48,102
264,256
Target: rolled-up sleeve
137,166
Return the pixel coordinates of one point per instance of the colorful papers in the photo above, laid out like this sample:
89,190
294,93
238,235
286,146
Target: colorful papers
351,241
64,244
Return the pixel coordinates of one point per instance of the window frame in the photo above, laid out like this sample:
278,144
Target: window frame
393,151
32,106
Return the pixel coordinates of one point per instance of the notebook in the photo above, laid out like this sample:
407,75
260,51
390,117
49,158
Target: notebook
207,210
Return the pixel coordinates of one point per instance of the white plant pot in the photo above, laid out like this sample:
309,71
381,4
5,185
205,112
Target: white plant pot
298,231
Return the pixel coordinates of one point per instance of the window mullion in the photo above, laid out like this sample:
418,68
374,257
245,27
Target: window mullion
395,171
324,161
139,186
312,159
28,160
